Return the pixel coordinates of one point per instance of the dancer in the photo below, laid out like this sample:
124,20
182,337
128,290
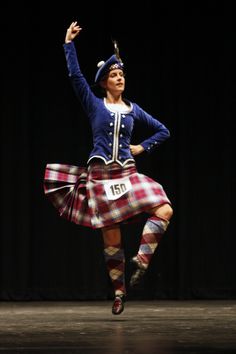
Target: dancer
109,190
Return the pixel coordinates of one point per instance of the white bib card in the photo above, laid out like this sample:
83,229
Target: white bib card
115,188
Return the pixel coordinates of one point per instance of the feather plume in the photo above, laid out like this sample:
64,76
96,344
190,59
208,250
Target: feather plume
116,49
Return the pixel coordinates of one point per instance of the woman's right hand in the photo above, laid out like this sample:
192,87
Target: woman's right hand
72,32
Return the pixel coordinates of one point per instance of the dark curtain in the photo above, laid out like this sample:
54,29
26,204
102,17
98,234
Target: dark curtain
179,68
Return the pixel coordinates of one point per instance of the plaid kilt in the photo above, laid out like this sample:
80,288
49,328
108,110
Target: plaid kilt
78,193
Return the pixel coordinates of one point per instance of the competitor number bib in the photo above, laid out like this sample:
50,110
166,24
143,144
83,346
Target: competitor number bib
115,188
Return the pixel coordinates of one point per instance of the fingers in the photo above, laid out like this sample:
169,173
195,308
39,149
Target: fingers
72,31
136,149
73,24
132,149
74,27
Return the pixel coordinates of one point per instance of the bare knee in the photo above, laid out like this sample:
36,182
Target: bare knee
164,211
111,235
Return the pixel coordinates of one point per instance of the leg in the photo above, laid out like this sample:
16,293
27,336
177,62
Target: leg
153,231
115,261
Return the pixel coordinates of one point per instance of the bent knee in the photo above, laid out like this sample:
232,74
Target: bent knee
169,211
164,211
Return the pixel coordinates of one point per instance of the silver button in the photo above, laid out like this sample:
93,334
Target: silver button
123,115
121,135
111,124
110,144
110,133
120,145
122,125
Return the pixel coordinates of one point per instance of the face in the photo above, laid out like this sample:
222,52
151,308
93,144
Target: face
115,81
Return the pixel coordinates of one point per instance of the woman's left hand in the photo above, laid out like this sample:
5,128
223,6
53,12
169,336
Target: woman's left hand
136,149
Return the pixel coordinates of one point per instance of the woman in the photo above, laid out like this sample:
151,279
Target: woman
109,190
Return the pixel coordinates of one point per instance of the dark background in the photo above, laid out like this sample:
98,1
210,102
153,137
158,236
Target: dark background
179,65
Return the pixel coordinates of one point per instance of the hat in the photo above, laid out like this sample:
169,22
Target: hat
105,66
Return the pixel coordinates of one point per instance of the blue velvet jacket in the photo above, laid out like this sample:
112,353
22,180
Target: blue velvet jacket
111,130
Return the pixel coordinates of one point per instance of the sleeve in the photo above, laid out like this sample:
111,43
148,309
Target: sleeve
79,83
161,133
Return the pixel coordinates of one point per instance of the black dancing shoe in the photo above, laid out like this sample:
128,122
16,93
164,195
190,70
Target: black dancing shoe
138,273
118,305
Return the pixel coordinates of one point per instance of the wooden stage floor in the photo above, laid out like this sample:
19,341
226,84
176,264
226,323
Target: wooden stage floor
87,327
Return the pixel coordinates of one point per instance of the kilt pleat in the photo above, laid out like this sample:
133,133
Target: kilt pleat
65,186
78,193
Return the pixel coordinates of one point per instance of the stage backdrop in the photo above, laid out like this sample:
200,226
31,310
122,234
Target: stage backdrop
179,68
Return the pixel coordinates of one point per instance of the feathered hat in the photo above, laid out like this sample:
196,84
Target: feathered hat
114,62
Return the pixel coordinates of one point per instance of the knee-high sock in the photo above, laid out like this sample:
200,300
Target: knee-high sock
115,261
151,237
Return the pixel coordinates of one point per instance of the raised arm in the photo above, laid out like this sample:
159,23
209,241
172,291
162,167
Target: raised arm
79,82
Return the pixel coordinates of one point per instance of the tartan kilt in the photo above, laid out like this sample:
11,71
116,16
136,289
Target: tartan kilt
78,193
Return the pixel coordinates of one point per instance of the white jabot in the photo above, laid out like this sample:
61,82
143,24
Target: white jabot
117,107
